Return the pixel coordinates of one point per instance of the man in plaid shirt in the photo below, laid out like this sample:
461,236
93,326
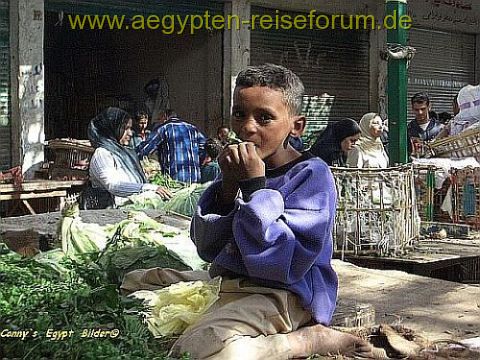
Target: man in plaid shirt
180,146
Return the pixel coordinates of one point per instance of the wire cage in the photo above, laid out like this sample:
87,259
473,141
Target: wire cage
429,198
376,211
466,196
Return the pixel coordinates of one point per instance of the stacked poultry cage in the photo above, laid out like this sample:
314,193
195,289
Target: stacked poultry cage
71,159
376,211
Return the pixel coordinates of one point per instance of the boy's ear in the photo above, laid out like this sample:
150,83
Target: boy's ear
299,123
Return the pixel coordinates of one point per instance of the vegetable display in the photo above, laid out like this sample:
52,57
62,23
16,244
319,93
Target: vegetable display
65,303
62,311
184,200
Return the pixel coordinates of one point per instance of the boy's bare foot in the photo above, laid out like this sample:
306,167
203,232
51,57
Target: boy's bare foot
319,339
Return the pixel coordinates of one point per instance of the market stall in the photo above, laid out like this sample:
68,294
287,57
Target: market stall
23,193
114,326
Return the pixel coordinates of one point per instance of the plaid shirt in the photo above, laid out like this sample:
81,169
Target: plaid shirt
179,145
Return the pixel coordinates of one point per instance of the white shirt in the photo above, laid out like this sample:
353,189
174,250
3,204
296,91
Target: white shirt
424,126
106,173
360,159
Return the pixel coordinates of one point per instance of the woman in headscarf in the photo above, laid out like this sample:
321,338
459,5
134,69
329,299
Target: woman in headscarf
114,167
369,151
334,143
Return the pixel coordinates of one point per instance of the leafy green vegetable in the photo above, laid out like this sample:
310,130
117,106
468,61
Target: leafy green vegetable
144,200
185,200
78,289
166,181
36,297
124,260
77,237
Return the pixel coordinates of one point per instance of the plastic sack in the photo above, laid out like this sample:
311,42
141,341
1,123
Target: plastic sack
469,104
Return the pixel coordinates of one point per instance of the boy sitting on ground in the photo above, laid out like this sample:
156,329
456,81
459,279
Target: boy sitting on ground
266,228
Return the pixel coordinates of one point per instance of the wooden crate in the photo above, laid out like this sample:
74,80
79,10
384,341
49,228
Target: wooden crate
67,153
465,144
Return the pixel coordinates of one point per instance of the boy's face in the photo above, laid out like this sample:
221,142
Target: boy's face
142,123
260,115
223,134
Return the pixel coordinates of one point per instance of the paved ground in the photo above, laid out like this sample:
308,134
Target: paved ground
436,308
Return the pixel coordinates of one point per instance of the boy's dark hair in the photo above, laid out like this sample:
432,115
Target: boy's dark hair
140,114
222,127
213,148
278,78
420,98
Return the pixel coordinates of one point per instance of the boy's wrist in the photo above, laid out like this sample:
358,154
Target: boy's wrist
228,193
249,186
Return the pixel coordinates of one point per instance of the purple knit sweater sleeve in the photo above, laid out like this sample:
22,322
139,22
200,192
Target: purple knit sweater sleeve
209,231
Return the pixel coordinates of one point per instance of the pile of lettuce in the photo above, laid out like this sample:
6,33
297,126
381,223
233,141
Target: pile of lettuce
184,201
173,309
64,298
136,234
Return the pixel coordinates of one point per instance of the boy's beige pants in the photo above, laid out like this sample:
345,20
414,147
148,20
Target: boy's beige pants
247,322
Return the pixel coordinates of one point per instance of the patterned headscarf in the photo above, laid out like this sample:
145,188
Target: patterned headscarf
106,130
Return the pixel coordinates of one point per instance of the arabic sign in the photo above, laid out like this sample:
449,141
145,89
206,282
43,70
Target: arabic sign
459,4
458,15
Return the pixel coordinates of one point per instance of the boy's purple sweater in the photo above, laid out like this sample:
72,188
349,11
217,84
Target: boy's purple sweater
280,238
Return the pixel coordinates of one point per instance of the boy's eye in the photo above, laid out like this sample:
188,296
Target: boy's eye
265,118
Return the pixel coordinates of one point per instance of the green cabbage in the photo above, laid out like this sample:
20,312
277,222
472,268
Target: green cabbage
185,200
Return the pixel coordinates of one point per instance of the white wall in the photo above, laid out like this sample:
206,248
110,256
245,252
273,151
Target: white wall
27,68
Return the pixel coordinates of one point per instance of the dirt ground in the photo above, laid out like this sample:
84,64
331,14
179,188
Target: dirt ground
434,308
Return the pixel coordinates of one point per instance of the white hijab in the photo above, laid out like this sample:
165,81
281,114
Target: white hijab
367,143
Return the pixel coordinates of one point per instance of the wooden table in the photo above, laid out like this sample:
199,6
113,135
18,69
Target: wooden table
37,189
449,259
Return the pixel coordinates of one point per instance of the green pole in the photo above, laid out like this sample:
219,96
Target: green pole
430,193
397,85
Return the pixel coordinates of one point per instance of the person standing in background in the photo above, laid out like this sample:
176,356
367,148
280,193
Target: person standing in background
369,151
139,129
222,134
115,172
210,168
180,146
157,98
334,143
423,127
